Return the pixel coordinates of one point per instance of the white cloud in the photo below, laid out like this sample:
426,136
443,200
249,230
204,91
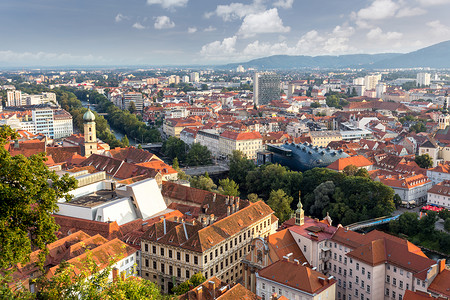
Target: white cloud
163,22
119,17
266,22
433,2
378,35
138,25
284,3
209,29
220,49
235,11
410,12
192,29
439,29
379,9
168,4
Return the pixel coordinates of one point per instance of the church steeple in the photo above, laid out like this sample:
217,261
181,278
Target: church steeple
299,212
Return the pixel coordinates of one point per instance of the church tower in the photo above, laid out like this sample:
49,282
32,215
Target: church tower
90,136
444,119
299,213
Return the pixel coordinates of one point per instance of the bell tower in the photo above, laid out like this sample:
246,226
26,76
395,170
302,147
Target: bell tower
90,135
299,212
444,119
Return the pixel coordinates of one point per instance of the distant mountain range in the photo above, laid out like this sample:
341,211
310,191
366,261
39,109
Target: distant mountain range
435,56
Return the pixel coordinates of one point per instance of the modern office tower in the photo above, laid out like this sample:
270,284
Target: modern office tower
266,87
423,79
133,97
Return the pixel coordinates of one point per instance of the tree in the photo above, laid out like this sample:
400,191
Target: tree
444,214
281,204
203,183
174,147
322,197
418,127
29,193
239,167
175,164
125,141
253,197
397,200
160,94
447,224
184,287
228,187
198,155
427,223
424,161
87,281
132,107
350,170
315,105
362,172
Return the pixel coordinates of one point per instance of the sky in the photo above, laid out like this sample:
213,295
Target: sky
194,32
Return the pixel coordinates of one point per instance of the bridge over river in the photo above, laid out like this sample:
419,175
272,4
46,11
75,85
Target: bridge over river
371,222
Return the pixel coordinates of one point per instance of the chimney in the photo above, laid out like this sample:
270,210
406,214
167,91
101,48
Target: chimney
115,273
274,296
441,263
214,197
199,293
322,280
237,203
16,144
228,210
212,288
227,200
232,200
233,208
297,261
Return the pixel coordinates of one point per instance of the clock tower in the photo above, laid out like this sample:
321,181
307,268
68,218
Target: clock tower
299,213
90,136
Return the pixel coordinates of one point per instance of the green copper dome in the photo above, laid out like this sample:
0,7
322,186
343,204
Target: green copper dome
89,116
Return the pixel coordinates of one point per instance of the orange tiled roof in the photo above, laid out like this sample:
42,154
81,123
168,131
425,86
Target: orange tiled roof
241,135
441,283
358,161
296,276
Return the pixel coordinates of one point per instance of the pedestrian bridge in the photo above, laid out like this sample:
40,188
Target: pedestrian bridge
371,222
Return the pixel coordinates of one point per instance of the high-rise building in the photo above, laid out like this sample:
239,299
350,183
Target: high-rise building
240,69
43,120
133,97
266,87
195,77
423,79
371,81
14,98
380,89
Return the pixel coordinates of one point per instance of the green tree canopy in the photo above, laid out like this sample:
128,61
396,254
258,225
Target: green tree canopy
29,193
350,170
239,167
281,204
424,161
198,155
132,107
174,147
203,183
125,141
184,287
228,187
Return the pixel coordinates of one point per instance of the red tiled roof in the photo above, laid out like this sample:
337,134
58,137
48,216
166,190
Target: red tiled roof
357,161
441,284
326,231
232,135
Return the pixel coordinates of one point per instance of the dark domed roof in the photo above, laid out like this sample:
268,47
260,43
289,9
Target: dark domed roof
89,116
302,157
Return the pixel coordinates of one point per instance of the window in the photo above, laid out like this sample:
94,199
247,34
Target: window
388,278
263,285
356,292
400,297
187,257
394,281
340,270
178,272
393,294
345,260
407,286
146,263
395,269
340,258
363,270
339,282
350,272
206,259
146,247
345,272
368,275
221,249
216,252
178,256
334,268
154,249
386,292
170,253
304,248
170,270
163,269
350,285
195,260
162,251
401,284
154,265
188,274
211,256
357,266
368,288
335,256
362,283
357,279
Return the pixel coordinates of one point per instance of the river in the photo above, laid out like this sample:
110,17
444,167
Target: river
116,133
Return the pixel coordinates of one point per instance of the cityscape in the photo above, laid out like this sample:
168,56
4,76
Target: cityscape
227,151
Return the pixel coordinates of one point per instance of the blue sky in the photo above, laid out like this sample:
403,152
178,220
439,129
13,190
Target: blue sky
161,32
